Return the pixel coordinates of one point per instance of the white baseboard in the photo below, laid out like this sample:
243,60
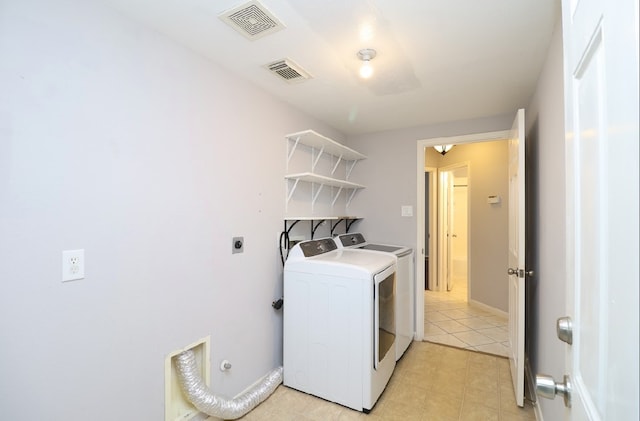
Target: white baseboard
488,308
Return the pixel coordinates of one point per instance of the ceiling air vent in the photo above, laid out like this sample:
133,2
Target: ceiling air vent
252,20
288,70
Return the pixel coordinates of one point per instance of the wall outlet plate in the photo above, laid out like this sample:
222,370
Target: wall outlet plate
72,265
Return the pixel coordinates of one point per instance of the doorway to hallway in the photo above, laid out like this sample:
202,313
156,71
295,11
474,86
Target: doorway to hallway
449,318
463,259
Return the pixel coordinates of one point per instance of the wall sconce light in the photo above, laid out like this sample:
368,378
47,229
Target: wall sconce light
443,149
366,56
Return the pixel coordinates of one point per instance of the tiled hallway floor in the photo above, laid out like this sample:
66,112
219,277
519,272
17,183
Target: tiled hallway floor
449,319
431,383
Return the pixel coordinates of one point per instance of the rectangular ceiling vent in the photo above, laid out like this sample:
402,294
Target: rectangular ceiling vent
252,20
288,70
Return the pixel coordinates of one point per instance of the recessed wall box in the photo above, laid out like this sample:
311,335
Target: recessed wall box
177,407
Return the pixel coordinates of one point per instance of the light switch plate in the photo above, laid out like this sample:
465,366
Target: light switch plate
407,210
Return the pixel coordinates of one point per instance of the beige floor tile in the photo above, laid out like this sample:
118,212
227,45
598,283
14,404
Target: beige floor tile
494,348
446,340
473,338
442,407
481,370
435,316
487,382
403,406
432,330
522,416
347,414
286,415
476,323
504,373
324,411
496,333
482,360
474,412
451,326
455,314
481,396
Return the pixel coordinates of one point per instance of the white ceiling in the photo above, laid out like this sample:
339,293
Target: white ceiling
437,60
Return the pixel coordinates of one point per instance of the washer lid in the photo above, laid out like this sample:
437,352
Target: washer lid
382,247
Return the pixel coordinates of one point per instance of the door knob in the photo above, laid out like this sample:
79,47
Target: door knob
546,387
511,271
564,329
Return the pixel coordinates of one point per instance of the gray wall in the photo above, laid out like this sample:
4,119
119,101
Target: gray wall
546,222
118,141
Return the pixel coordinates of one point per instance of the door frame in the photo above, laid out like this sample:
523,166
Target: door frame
431,242
420,211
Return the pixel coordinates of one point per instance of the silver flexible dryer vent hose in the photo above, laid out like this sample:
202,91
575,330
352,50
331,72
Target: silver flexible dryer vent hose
201,397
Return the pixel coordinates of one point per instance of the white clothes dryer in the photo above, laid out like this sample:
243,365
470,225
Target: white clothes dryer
405,290
339,323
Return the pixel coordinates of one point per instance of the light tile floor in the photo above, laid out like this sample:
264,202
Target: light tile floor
450,320
431,382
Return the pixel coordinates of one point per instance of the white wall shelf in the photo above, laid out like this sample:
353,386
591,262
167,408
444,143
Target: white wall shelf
321,145
322,181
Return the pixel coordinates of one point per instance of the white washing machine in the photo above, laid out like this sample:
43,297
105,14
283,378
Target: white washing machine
405,290
339,322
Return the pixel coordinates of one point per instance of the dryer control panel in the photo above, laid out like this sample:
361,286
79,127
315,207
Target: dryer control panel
316,247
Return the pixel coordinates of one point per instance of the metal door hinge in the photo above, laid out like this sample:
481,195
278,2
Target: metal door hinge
520,273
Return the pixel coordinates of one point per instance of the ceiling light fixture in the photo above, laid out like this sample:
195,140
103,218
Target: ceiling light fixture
366,55
443,149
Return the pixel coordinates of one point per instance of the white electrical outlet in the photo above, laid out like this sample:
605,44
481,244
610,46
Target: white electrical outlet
72,265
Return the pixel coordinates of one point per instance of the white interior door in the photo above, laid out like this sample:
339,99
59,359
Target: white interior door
444,218
516,255
601,123
459,252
